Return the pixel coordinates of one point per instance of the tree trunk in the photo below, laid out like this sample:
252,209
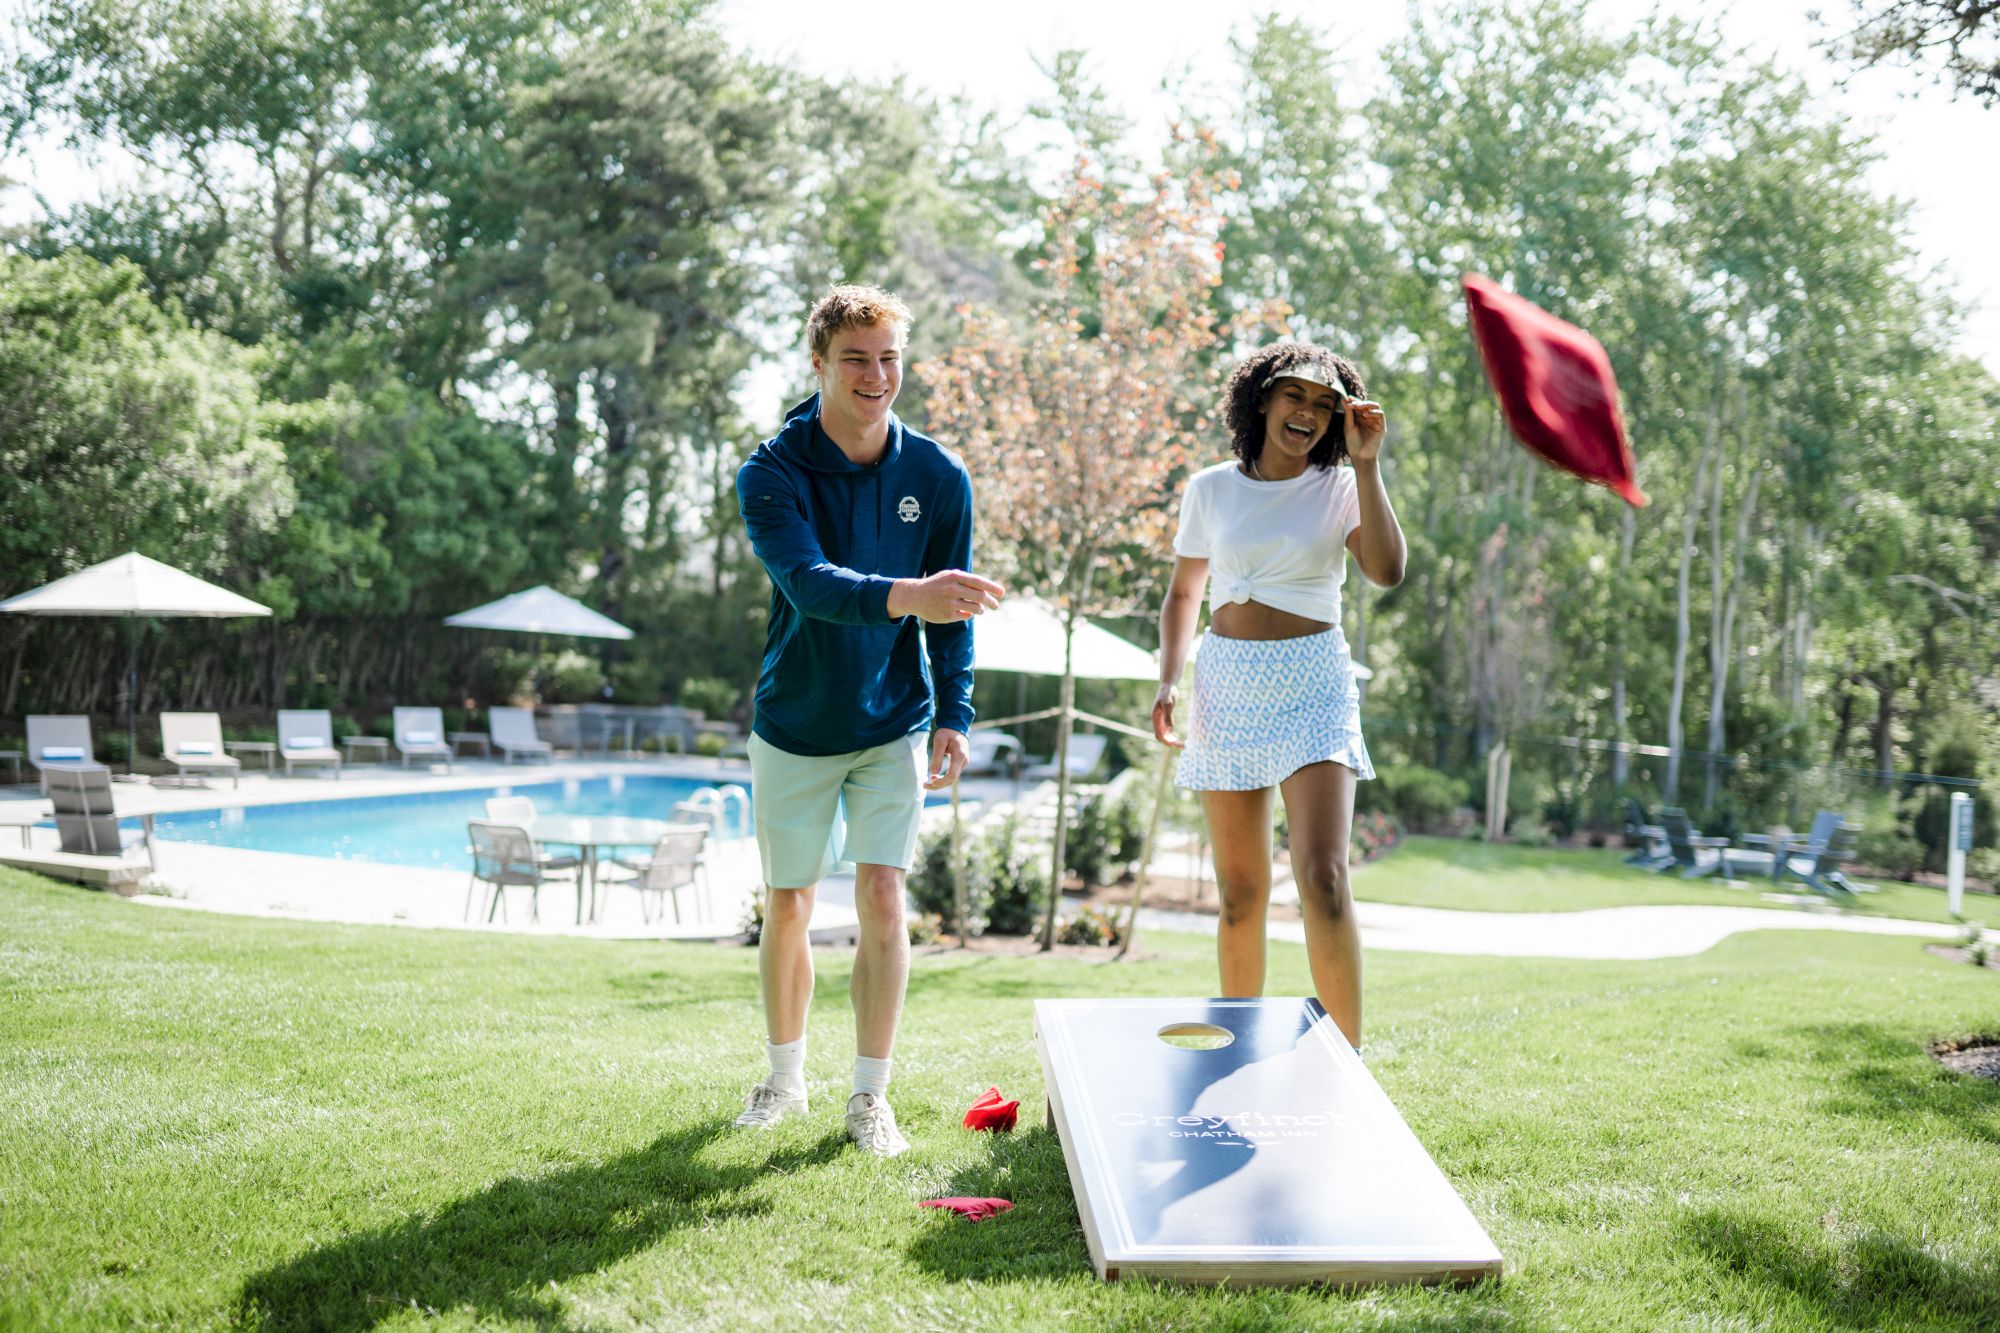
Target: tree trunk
1690,525
1621,762
1723,621
1065,721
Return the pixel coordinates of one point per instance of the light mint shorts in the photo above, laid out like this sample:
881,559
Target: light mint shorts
799,801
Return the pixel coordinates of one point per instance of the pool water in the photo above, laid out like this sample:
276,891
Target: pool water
422,828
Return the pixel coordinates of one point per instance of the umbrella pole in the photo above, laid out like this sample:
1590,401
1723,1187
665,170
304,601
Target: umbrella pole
132,698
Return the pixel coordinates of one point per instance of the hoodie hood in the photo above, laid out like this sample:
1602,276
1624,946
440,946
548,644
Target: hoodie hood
802,441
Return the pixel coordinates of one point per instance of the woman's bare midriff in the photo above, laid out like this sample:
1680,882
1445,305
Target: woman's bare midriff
1254,620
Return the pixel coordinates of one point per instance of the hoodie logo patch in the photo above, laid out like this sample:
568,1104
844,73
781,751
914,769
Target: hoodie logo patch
908,509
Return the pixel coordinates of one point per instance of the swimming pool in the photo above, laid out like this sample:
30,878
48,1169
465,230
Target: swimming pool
421,828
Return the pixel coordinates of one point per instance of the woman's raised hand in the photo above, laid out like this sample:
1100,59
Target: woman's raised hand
1364,425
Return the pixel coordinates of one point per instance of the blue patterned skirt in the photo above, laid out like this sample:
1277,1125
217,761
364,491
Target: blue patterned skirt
1265,708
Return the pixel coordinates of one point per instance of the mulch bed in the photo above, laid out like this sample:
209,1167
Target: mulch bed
1977,1056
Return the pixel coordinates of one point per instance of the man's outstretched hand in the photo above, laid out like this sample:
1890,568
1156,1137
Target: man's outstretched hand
945,598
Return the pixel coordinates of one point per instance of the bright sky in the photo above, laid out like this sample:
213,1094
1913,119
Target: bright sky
1938,153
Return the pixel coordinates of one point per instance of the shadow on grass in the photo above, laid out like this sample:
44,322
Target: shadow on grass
1869,1281
497,1252
1040,1238
1881,1074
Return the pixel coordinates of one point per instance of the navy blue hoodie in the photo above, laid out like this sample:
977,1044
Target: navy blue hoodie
839,675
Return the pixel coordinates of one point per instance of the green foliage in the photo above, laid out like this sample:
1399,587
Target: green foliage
712,697
925,928
570,677
1423,799
709,744
1090,927
1107,834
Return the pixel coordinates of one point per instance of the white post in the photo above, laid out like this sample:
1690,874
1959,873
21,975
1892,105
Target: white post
1499,764
1961,843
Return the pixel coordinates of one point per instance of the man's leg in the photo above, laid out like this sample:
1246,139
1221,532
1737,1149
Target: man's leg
785,963
881,964
883,796
795,798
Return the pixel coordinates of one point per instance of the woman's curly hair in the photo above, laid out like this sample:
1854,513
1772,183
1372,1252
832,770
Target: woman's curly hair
1244,399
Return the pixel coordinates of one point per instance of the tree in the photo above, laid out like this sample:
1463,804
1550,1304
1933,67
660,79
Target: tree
1076,426
1966,32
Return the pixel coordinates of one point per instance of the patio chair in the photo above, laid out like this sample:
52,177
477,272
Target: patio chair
305,739
1694,854
419,734
513,732
1649,839
521,813
679,861
192,743
1819,868
993,752
1761,857
1086,752
61,744
86,816
506,856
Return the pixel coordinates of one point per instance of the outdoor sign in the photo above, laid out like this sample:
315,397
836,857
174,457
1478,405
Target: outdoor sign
1961,843
1243,1141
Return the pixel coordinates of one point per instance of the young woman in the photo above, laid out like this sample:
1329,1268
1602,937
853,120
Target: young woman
1274,704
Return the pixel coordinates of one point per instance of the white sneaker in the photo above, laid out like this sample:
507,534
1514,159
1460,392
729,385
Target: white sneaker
872,1125
768,1103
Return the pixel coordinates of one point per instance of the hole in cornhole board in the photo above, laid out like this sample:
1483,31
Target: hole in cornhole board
1272,1157
1196,1036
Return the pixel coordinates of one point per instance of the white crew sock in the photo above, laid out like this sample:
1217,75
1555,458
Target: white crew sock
788,1064
871,1075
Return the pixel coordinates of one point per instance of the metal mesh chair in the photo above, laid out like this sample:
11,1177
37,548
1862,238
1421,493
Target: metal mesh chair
678,862
505,856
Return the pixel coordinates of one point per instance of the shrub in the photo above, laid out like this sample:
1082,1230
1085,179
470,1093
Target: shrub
1422,798
1887,848
1373,834
571,678
925,927
930,880
709,744
1107,835
1983,863
1533,833
710,695
1017,879
753,921
636,681
1087,926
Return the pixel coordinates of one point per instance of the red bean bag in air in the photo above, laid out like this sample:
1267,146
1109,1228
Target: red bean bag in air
1555,387
994,1112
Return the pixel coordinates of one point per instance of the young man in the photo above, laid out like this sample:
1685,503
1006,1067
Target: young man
865,527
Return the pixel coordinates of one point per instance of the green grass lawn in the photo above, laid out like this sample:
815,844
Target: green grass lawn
217,1122
1484,877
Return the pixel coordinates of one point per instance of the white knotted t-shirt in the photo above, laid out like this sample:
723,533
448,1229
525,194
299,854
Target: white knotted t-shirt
1281,543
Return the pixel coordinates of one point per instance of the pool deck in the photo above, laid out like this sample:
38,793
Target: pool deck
197,877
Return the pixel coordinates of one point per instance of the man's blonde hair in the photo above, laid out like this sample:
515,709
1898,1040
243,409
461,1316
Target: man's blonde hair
852,305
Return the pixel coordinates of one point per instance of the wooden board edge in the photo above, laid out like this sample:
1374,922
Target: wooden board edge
1072,1163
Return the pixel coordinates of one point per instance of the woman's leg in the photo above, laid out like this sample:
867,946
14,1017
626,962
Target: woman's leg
1239,829
1319,809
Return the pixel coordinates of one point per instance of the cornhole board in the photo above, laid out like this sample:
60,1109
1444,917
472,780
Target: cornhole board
1274,1158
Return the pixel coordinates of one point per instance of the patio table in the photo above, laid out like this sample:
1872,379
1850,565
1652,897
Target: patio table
269,749
377,746
589,834
483,740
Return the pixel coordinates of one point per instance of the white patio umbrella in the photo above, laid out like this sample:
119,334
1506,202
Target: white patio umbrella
538,611
1025,634
541,610
132,585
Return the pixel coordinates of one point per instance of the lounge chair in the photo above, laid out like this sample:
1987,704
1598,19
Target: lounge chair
506,856
513,732
192,743
678,860
1819,868
1648,839
61,744
1761,857
993,752
1086,752
1694,854
419,734
305,738
86,816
